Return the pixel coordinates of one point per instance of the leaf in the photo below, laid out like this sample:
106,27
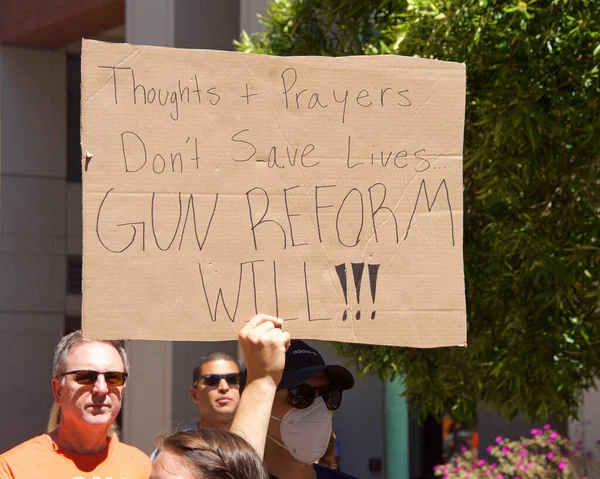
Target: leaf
530,139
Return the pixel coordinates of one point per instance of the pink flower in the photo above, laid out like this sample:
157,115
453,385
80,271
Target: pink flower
463,449
498,439
499,476
536,432
505,450
562,465
547,426
523,453
480,463
553,435
489,448
550,455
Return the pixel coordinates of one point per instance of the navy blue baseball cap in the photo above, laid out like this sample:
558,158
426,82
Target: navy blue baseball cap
303,361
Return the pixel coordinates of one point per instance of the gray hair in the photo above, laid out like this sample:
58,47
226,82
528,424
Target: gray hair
61,353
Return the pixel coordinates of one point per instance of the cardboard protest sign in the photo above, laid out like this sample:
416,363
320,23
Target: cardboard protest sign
325,191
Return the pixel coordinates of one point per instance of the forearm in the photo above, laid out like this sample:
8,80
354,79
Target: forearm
254,412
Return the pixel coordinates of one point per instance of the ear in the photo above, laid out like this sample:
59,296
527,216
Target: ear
193,393
56,386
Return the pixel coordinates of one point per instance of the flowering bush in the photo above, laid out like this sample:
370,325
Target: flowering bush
544,455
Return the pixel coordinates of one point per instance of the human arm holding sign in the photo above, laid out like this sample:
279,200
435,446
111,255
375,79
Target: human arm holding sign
263,345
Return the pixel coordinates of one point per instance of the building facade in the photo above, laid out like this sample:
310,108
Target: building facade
40,231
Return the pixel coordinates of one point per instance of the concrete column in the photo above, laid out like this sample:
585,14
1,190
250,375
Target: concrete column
147,409
587,428
156,400
32,225
249,9
396,431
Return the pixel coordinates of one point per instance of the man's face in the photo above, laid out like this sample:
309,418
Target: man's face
96,404
281,403
216,403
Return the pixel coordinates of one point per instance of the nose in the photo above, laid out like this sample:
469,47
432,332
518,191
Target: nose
100,386
223,385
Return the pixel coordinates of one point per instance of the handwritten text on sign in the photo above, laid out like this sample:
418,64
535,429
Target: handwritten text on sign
326,191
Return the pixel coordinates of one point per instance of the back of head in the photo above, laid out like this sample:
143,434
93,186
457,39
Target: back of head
215,454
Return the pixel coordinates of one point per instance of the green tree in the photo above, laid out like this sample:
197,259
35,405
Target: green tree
531,189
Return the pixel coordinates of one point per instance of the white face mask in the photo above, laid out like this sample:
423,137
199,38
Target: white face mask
305,432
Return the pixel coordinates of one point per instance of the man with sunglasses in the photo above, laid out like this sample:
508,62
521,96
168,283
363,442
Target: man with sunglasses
215,389
301,417
88,385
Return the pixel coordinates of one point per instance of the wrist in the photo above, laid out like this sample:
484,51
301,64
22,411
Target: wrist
264,383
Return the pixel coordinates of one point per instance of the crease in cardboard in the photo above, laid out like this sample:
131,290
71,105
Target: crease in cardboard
132,54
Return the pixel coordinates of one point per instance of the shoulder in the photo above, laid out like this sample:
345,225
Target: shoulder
326,473
37,444
20,456
123,449
136,460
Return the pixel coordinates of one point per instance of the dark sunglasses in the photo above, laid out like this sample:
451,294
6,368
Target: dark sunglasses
213,380
87,377
304,394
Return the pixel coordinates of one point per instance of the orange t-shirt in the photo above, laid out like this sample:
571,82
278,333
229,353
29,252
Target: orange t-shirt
41,457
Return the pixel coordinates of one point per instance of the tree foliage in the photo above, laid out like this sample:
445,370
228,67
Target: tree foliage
531,189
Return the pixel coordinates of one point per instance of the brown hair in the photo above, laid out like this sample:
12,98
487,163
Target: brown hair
215,454
330,458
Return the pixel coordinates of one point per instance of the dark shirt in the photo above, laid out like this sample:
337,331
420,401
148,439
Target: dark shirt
326,473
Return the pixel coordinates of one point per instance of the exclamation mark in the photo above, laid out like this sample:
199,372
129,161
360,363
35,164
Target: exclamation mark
357,271
340,269
373,269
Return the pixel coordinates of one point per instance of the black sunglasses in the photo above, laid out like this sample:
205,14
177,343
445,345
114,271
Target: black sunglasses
87,377
304,394
213,380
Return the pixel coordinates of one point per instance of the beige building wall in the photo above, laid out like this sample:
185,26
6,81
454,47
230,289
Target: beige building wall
32,228
157,399
587,427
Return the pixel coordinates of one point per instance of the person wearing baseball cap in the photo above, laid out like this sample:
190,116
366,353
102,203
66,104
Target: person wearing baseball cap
301,417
